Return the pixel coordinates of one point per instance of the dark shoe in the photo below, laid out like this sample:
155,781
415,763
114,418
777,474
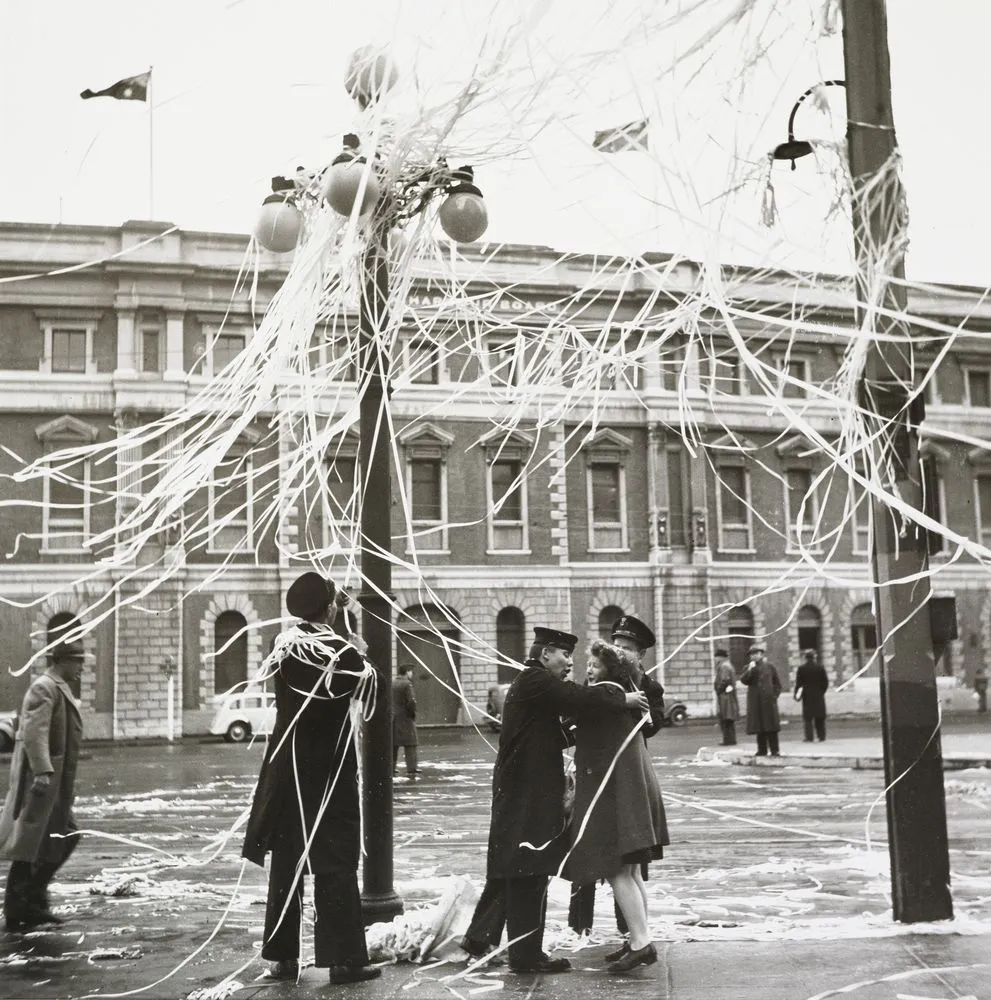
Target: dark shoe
47,917
761,753
642,956
542,967
615,956
776,754
340,974
288,968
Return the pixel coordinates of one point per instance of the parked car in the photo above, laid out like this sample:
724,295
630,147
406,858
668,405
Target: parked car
493,706
243,715
8,731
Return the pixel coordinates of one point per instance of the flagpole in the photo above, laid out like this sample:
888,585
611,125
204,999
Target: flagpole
151,148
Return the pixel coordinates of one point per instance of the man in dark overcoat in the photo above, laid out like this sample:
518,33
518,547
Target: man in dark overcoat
635,636
404,720
763,689
811,683
528,834
727,703
305,810
37,829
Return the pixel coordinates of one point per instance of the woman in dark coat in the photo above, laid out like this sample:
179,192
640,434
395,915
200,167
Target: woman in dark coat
763,688
619,819
305,809
812,681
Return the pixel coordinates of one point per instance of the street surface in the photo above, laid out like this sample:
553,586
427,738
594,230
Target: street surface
784,853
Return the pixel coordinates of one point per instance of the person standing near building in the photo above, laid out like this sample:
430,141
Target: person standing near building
305,810
811,682
404,720
763,689
634,636
37,828
528,833
727,703
981,687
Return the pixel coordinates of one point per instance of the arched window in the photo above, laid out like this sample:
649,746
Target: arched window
863,638
510,641
810,630
607,618
741,636
230,662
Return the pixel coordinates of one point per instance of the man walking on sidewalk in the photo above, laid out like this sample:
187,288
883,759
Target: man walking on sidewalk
404,721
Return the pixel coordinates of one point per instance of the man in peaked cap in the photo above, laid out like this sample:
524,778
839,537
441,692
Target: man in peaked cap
528,834
635,636
37,828
305,812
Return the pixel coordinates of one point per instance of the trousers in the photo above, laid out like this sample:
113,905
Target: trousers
820,729
338,931
521,905
767,740
26,893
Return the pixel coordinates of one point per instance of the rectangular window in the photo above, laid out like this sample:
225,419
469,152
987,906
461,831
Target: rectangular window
982,487
66,510
507,525
503,361
231,503
798,484
69,350
341,502
733,495
978,387
151,342
226,347
797,370
861,520
423,362
339,356
607,506
427,502
726,376
932,501
677,511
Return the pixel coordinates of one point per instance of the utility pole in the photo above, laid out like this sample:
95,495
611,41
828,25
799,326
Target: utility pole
913,761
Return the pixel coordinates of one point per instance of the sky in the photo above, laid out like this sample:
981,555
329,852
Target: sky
246,89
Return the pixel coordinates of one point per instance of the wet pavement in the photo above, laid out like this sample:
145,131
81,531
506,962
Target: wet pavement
776,883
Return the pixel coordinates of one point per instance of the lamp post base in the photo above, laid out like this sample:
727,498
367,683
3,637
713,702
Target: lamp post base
380,907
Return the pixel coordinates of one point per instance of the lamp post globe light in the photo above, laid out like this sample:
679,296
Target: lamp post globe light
383,200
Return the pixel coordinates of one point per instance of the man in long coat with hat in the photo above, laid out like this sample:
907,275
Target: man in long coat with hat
528,834
37,829
305,810
763,689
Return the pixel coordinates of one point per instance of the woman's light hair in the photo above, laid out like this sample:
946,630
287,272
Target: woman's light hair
621,665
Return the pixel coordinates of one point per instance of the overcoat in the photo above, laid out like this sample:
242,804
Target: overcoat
728,705
310,762
813,681
628,815
403,712
48,741
528,833
763,688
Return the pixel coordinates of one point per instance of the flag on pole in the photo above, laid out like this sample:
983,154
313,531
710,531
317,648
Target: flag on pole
131,88
631,137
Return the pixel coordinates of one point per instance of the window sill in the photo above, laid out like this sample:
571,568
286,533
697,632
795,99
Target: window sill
508,552
737,552
608,551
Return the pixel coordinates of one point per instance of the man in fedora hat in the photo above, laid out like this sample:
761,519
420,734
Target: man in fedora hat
305,810
528,834
635,636
37,829
763,689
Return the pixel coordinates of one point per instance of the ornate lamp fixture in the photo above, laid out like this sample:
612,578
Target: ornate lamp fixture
794,149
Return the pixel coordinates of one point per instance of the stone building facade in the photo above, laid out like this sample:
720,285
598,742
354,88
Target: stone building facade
102,327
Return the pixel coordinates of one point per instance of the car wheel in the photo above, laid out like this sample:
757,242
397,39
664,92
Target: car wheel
679,715
237,732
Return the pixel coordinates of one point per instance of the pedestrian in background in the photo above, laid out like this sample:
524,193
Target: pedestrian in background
305,810
981,687
619,822
37,828
727,703
811,683
404,720
763,689
635,636
528,833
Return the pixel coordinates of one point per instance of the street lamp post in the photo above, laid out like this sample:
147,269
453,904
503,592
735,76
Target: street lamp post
389,200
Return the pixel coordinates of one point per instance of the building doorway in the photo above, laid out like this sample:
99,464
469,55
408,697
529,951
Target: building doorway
863,639
58,625
428,642
741,637
810,631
